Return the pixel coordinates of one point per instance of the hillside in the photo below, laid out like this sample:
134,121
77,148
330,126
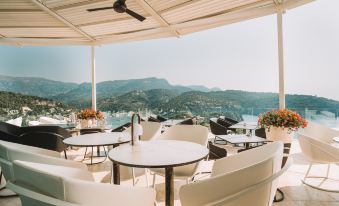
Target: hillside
230,102
13,105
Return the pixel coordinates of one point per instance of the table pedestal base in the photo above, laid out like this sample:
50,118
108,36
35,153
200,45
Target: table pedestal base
169,186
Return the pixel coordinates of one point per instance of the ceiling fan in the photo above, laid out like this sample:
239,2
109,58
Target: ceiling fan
120,7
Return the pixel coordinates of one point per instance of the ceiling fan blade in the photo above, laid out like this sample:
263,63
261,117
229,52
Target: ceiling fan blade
135,15
98,9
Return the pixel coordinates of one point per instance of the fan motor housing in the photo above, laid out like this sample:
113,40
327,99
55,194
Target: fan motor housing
119,7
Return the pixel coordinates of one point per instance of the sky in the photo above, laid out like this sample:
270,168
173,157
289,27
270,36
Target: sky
240,56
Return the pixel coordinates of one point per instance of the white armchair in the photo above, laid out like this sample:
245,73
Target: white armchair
316,145
9,152
191,133
248,178
44,185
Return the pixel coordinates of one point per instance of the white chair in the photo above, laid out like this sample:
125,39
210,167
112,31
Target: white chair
45,185
9,152
49,120
247,178
150,130
191,133
316,145
13,151
16,122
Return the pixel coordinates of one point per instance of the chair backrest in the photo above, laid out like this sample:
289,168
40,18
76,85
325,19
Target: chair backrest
150,130
230,120
10,128
9,152
190,133
248,178
320,132
216,128
122,127
47,137
45,185
45,179
152,119
216,152
317,150
190,121
16,122
90,131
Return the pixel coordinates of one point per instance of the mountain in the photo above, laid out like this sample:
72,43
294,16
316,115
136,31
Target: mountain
34,86
80,94
115,88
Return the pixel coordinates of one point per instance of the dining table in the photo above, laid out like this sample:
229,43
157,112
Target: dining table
97,140
166,154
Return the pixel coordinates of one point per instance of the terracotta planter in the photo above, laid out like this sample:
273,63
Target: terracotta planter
88,123
279,134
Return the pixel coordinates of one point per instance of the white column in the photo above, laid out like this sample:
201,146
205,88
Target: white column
94,87
281,60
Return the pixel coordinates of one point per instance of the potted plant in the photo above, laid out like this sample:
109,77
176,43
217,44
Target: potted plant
281,124
88,117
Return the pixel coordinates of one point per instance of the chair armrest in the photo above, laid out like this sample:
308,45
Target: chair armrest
38,158
90,193
30,149
37,196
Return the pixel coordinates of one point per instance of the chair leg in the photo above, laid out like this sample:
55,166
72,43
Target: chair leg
4,187
153,184
133,175
147,181
321,177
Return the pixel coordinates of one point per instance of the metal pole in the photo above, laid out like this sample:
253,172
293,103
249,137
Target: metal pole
94,90
281,60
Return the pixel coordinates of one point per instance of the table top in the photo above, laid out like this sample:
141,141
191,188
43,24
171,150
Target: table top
172,122
98,139
238,139
158,154
245,125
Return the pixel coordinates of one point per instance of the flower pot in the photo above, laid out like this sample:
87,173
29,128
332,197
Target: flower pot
83,123
279,134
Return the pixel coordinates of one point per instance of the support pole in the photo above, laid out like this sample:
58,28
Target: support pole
281,60
94,90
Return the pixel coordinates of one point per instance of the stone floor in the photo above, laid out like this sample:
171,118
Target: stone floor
296,194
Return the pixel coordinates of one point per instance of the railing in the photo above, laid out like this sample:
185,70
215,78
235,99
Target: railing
325,116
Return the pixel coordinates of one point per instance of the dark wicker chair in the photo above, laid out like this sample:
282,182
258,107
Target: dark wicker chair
216,152
46,137
232,121
190,121
152,119
161,119
10,133
122,127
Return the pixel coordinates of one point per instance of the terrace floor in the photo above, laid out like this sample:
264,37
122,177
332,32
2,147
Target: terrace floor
296,194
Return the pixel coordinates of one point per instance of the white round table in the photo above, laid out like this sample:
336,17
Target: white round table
98,139
157,154
336,139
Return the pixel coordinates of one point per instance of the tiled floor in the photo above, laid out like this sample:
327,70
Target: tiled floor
296,194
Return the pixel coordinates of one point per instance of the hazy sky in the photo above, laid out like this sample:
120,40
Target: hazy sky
238,56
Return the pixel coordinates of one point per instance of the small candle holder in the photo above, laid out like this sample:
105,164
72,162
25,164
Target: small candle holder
135,132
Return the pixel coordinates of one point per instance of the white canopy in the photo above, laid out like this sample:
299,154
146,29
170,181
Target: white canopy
61,22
